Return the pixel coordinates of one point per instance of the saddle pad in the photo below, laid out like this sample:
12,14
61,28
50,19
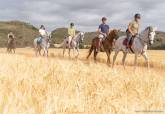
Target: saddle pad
39,40
126,40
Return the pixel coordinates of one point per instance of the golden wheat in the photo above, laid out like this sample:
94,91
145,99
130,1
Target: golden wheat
36,85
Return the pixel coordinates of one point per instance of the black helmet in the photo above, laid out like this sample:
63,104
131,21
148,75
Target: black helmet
71,24
137,15
104,19
42,26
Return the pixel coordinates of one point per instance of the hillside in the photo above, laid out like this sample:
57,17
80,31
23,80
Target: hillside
59,34
24,33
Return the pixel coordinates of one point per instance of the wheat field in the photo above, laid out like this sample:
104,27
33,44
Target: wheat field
57,85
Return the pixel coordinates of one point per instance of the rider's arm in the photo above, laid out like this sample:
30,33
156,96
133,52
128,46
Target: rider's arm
99,31
138,28
129,28
68,31
109,30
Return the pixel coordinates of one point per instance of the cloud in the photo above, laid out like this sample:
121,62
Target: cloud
86,14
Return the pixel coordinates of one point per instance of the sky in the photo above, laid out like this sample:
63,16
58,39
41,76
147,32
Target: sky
86,14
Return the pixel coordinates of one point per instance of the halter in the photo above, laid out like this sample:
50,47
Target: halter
149,33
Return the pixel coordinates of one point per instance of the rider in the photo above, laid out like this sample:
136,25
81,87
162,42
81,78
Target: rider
103,31
42,33
71,33
133,28
10,36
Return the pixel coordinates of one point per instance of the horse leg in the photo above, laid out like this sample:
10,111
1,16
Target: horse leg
64,48
90,52
114,58
69,52
135,61
14,51
95,55
146,59
108,56
123,59
74,52
77,52
46,52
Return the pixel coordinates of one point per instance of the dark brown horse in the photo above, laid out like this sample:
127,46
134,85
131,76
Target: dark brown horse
107,45
11,45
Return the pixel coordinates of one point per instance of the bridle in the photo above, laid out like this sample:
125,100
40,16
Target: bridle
148,36
81,37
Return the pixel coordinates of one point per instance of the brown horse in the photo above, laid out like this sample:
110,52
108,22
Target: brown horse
107,45
11,45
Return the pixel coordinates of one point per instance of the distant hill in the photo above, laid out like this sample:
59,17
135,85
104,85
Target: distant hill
24,33
59,34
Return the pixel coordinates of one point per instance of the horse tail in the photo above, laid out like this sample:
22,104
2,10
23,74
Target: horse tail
59,45
91,49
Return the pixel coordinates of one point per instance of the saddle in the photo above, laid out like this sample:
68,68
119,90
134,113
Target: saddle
125,42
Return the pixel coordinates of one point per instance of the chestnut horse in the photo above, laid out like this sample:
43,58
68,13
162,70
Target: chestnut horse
107,45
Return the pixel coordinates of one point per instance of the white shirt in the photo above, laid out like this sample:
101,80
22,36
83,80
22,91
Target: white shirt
42,32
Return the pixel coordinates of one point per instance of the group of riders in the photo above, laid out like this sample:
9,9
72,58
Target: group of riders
103,31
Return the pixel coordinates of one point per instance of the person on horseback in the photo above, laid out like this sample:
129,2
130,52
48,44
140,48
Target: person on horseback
71,33
42,33
10,36
133,28
103,31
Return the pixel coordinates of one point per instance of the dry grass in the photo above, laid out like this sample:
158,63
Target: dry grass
30,85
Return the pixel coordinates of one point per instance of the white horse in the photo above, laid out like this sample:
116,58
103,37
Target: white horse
75,43
139,46
44,44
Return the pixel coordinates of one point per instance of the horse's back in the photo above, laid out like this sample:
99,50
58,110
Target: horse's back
120,40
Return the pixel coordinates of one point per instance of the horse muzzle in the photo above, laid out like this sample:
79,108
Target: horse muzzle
151,42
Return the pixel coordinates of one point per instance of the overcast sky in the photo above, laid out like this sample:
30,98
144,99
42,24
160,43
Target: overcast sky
86,14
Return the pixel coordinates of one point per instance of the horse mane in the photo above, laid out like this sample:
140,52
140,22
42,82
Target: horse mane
112,34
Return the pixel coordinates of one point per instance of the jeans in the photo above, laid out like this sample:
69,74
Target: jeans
129,36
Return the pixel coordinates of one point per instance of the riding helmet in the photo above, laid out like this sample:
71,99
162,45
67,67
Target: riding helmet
72,24
104,19
137,16
42,26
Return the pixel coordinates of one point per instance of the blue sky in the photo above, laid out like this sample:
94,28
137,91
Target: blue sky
86,14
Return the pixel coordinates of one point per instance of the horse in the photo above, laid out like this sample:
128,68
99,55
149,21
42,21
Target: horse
43,44
75,43
107,45
139,46
11,45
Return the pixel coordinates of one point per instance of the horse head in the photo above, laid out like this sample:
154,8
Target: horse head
151,34
48,36
114,34
82,35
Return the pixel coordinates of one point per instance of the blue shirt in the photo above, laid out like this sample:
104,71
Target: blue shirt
104,28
